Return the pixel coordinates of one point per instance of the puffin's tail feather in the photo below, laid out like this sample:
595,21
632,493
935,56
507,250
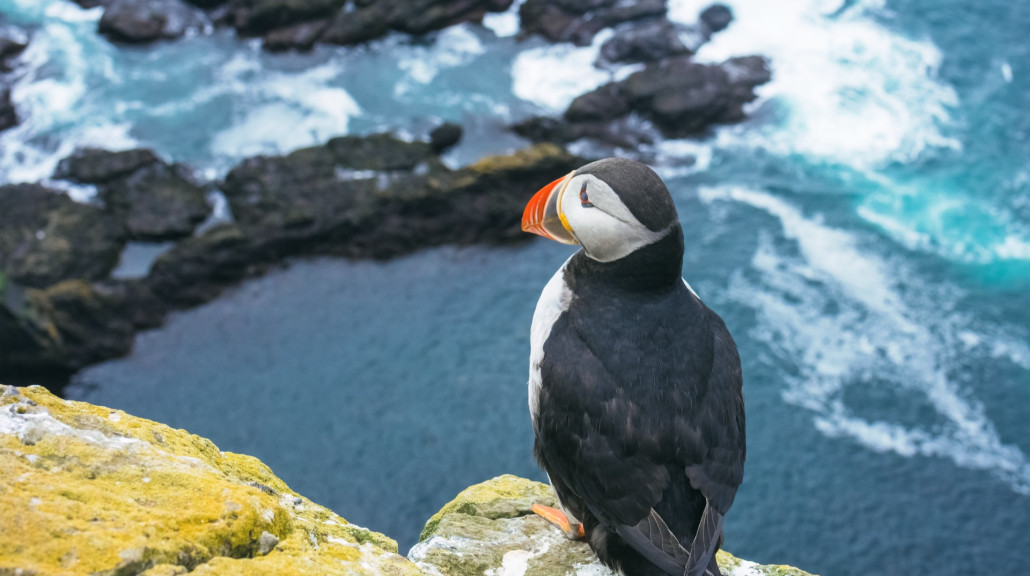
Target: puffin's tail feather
702,549
653,540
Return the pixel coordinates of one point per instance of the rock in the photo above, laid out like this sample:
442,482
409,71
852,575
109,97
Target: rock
489,528
444,136
131,496
49,334
370,20
301,36
683,97
96,166
8,115
646,42
379,152
716,18
197,269
156,201
45,237
256,17
680,97
13,41
303,188
577,21
138,21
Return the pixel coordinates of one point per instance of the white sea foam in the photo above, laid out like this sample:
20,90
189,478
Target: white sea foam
505,23
552,75
854,91
879,334
452,47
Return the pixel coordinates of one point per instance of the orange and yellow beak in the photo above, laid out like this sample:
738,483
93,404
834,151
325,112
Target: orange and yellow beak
543,214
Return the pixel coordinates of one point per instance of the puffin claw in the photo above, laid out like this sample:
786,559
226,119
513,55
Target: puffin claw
559,519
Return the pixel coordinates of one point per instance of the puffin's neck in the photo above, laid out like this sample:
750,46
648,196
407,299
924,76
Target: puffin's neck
656,266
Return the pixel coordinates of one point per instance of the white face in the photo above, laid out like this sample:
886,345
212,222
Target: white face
602,224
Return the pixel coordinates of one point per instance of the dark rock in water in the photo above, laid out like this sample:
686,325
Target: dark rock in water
620,132
379,152
49,334
444,136
716,17
605,103
577,21
197,269
647,42
678,96
156,201
137,21
301,36
95,166
370,20
255,17
8,115
45,237
356,27
683,97
301,189
13,41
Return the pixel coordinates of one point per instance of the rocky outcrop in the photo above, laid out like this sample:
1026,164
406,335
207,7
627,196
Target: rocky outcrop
677,96
88,490
131,496
490,529
361,197
45,237
578,21
156,201
139,21
288,24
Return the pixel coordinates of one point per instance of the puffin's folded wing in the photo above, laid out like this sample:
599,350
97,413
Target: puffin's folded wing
653,540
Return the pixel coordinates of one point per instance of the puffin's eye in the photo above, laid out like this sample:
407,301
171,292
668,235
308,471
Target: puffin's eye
583,199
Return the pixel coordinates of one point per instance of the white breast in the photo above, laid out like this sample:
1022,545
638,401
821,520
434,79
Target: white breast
554,300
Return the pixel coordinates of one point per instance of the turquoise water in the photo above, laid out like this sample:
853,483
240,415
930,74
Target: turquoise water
866,236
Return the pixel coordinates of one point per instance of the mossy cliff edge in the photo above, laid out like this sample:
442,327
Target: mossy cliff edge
91,490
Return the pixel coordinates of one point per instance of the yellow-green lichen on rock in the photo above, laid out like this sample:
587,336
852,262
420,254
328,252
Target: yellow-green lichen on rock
90,490
489,529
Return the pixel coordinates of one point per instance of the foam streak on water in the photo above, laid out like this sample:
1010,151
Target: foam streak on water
876,335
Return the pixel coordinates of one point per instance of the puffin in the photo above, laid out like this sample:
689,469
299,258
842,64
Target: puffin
635,385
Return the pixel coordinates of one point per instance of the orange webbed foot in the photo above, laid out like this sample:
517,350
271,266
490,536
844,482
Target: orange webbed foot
559,519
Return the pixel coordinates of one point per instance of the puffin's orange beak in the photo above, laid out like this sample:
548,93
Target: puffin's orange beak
543,213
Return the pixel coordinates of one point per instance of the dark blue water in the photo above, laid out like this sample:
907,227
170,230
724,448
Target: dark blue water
866,237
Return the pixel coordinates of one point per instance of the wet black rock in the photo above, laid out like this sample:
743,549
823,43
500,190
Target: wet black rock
96,166
578,21
8,114
677,96
13,41
683,97
155,200
256,17
444,136
45,237
716,18
139,21
647,41
370,20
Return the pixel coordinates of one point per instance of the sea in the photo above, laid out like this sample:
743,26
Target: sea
865,234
